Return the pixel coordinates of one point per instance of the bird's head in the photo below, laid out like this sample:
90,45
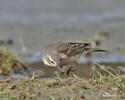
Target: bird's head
51,58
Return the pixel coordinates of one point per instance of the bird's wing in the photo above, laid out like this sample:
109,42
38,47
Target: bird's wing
69,49
76,48
72,48
60,47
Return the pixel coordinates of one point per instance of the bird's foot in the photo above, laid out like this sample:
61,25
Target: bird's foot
62,70
61,73
69,71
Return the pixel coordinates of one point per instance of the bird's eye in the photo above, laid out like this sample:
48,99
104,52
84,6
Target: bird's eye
51,61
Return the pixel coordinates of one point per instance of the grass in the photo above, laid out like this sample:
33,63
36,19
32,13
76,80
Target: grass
104,82
10,64
6,61
112,78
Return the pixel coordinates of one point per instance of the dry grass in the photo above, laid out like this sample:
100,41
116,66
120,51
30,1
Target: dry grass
99,86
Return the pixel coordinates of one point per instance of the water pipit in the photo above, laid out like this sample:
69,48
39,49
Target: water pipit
61,54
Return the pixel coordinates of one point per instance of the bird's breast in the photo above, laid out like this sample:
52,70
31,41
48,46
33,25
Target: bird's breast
68,60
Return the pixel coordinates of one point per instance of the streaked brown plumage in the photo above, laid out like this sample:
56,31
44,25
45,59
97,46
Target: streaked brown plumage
61,54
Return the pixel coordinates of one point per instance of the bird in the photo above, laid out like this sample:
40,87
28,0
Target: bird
61,54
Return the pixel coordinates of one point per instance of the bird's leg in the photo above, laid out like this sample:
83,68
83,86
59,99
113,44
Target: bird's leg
61,71
70,69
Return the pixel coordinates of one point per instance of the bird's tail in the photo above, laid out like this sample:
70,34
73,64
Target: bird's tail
89,51
97,50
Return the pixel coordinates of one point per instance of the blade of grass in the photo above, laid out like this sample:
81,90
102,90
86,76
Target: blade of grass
103,68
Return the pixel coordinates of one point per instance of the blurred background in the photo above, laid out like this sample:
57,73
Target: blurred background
35,23
29,25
